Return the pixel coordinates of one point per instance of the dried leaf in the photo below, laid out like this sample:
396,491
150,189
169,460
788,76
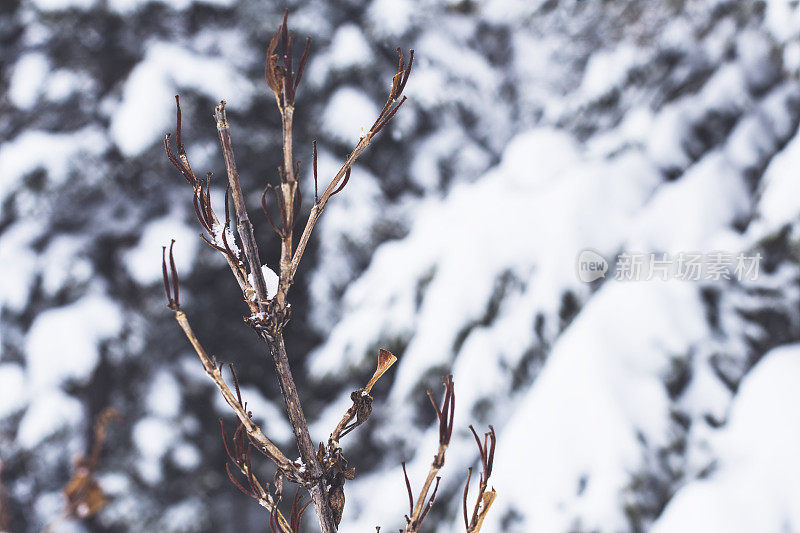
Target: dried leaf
385,360
488,500
271,71
84,496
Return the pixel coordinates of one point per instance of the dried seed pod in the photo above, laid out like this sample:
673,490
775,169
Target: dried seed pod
336,498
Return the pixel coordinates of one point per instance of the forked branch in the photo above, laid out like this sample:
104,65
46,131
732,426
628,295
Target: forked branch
214,371
419,510
390,108
219,236
485,497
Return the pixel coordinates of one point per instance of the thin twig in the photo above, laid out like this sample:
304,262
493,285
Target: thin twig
362,402
202,204
445,417
485,497
243,225
215,373
398,85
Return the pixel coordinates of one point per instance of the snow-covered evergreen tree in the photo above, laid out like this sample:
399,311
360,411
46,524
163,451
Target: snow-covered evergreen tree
534,130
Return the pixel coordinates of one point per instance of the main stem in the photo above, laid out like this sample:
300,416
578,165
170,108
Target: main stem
277,347
274,339
318,491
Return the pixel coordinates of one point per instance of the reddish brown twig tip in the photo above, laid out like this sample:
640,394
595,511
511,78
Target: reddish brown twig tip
446,413
281,78
408,488
170,278
485,497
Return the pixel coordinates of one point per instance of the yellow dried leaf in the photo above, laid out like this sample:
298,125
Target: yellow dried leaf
385,360
488,499
84,496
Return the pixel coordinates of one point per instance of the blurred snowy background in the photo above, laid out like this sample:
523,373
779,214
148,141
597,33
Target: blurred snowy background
534,129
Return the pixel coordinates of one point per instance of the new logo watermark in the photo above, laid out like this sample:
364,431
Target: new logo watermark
591,266
684,266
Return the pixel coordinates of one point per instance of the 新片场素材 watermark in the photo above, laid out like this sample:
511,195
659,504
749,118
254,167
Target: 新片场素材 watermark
683,266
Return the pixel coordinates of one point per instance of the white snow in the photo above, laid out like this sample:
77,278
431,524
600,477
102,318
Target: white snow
390,18
62,343
164,395
608,69
114,483
349,47
147,109
272,280
780,189
510,10
726,92
187,516
349,114
153,436
63,262
58,5
710,196
755,486
13,393
612,358
63,83
664,141
186,456
17,263
55,153
33,78
129,6
49,412
27,79
546,225
791,56
143,262
783,19
599,407
228,239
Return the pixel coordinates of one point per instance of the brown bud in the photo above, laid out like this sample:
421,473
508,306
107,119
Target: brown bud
336,502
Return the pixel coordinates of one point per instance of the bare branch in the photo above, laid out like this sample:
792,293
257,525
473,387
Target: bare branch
243,225
297,511
485,497
343,184
389,109
215,373
431,500
202,207
445,416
